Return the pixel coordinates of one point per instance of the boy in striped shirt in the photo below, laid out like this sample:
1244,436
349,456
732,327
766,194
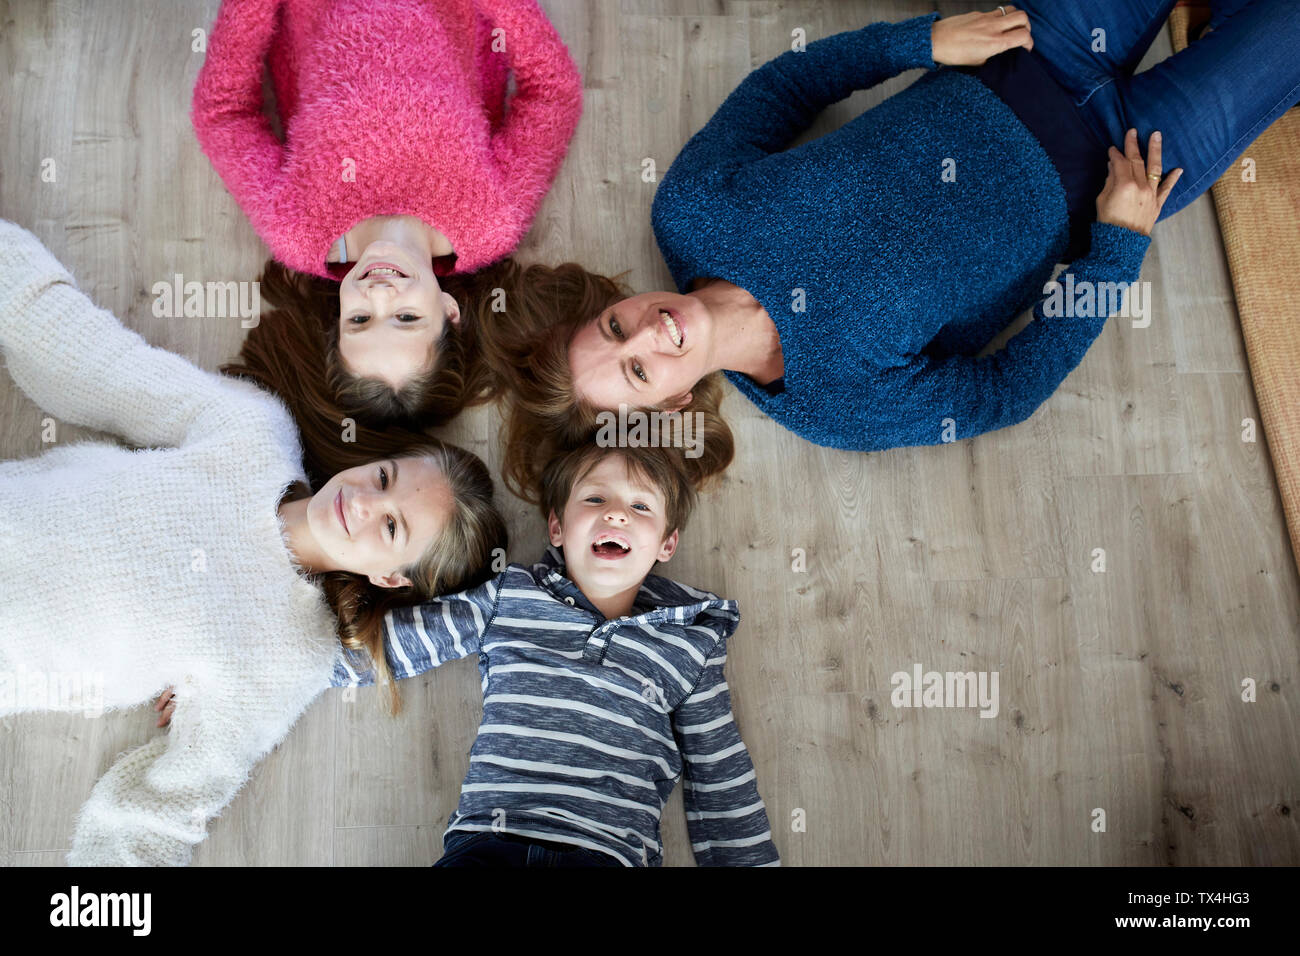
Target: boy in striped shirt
602,684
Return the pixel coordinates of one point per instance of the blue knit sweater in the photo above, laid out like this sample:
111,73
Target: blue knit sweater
883,277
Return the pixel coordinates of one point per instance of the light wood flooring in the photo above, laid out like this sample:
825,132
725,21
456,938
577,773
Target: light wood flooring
1119,690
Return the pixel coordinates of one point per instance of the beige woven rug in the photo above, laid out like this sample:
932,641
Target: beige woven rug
1260,222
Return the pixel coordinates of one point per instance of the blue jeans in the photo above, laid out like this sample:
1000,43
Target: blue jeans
463,848
1209,101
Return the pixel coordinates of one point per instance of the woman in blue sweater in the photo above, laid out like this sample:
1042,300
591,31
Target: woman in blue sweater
845,285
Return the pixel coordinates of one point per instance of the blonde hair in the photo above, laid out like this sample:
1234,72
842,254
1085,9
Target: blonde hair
459,557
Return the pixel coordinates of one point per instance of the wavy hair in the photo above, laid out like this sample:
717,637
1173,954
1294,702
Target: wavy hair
304,328
460,557
527,348
285,358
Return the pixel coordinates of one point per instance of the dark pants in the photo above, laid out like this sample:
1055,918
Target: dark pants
1209,101
463,848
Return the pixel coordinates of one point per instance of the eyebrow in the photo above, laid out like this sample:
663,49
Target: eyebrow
406,531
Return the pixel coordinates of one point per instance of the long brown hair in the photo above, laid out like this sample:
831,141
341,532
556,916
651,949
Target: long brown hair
304,331
284,356
527,346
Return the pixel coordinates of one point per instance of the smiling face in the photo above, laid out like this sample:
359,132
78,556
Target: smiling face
643,351
379,518
391,311
612,531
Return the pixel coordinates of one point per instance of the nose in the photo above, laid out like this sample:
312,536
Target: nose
616,514
647,333
362,505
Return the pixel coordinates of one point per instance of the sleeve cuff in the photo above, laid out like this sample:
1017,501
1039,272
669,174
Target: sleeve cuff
915,46
1116,244
25,257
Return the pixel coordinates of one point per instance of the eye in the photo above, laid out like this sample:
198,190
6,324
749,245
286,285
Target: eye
392,529
639,372
615,327
383,479
408,317
594,499
639,505
358,319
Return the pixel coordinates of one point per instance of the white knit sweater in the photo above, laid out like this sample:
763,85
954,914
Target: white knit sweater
145,568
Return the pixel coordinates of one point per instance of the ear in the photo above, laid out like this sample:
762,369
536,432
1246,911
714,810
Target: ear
669,547
554,529
393,580
686,400
451,307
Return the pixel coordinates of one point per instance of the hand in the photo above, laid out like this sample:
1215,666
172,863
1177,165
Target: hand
167,704
1131,198
969,39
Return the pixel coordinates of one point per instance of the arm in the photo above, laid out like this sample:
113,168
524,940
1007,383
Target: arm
544,111
780,99
227,107
152,806
80,364
725,815
419,638
1002,389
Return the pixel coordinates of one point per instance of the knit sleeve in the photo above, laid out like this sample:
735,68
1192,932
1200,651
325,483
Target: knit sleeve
81,365
547,104
152,806
779,100
725,815
227,109
931,400
419,638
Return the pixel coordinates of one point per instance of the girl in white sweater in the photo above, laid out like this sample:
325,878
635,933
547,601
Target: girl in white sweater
201,560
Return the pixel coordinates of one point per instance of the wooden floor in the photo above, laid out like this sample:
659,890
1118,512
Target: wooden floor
1119,690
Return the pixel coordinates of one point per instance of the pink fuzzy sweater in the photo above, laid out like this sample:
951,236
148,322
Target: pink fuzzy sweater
389,107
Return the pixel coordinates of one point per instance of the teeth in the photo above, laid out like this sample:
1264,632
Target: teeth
606,539
383,270
672,328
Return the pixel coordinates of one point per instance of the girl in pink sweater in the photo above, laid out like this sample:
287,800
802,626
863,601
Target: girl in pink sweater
401,161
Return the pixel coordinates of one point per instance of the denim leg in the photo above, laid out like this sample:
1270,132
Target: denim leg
1064,34
1212,99
1219,9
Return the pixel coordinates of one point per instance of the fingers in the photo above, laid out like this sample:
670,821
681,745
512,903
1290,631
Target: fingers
1014,19
1167,186
1134,152
1013,27
1121,170
166,704
1015,38
1154,166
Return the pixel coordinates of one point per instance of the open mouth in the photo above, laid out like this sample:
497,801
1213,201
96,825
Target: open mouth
386,270
673,323
611,546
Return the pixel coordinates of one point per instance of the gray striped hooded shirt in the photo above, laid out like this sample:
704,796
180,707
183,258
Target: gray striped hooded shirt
588,722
